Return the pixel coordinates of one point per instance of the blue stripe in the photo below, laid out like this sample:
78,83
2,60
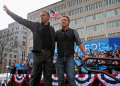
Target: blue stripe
83,82
108,81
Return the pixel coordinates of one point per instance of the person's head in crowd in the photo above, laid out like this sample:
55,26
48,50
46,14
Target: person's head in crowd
13,65
28,60
54,60
83,58
95,60
116,56
30,64
100,55
14,61
89,55
17,62
76,53
96,56
95,52
78,58
21,63
117,52
25,61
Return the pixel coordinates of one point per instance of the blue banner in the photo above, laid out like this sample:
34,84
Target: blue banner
94,45
20,68
31,60
113,42
78,63
17,65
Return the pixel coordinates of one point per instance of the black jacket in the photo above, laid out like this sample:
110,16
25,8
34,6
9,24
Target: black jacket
36,28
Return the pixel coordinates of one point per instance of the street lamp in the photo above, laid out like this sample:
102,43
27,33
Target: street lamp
7,74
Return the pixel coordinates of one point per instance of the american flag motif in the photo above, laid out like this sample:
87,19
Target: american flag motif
54,14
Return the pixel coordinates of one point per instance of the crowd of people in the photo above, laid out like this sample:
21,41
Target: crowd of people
24,67
103,65
109,66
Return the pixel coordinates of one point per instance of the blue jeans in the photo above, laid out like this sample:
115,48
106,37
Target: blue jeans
67,63
115,72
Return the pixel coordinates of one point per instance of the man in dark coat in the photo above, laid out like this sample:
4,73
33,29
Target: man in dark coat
43,46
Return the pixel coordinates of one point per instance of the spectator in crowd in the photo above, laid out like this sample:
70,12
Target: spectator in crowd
13,71
116,70
30,68
25,67
4,84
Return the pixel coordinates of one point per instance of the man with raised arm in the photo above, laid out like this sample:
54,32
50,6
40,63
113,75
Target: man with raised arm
43,46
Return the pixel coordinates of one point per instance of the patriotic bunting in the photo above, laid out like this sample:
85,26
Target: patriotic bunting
107,81
19,78
81,80
10,78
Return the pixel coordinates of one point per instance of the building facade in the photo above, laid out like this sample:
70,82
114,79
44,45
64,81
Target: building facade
14,38
93,19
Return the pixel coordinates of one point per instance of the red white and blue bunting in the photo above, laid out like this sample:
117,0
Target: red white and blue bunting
81,80
107,81
85,80
10,78
19,78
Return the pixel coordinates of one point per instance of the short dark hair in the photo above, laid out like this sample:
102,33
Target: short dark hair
46,13
67,18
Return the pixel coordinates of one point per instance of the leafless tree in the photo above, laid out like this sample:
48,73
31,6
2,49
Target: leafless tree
6,46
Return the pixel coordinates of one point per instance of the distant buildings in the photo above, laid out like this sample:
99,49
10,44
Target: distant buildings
15,36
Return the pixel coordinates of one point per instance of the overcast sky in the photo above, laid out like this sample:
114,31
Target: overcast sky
21,8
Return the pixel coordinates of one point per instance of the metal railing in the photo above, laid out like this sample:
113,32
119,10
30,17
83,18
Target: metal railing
99,71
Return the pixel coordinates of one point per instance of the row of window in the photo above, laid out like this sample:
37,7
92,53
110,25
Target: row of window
113,12
93,6
110,2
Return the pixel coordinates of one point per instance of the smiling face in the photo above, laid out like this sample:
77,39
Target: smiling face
65,22
44,17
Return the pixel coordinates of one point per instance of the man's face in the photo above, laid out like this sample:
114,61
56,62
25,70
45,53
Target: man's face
64,22
44,17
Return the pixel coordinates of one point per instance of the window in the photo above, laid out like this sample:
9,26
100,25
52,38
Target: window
24,37
86,0
55,19
63,14
32,17
72,22
49,11
56,8
90,29
101,36
78,1
110,13
111,24
108,2
100,27
30,34
37,15
63,6
30,48
14,56
56,26
70,3
30,41
118,11
79,10
98,16
117,1
79,20
114,34
80,30
71,13
89,18
82,39
97,5
88,8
